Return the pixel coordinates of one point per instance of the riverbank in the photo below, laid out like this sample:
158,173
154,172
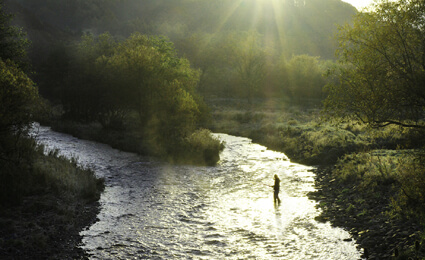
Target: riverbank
199,148
46,203
45,226
366,215
369,180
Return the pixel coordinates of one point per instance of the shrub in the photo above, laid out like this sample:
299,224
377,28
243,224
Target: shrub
411,178
202,148
370,169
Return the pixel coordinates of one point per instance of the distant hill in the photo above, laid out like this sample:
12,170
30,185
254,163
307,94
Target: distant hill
295,26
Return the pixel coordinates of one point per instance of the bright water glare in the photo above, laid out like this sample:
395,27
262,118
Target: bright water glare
154,210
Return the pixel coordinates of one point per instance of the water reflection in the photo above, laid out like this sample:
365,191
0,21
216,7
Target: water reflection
159,211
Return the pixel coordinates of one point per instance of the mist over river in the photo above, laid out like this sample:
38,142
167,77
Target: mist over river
154,210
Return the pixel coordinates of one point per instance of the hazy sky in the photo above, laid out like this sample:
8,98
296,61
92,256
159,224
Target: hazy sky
359,4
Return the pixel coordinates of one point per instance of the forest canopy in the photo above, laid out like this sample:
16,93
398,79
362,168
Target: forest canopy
101,79
18,93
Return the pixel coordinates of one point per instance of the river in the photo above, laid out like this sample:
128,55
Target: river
154,210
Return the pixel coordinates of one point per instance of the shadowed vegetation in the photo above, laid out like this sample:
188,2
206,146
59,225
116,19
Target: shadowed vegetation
138,88
45,200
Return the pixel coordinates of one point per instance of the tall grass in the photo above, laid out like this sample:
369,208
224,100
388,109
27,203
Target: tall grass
402,171
45,201
302,133
410,200
33,172
64,176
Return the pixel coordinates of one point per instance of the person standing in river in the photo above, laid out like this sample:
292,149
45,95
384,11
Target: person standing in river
276,188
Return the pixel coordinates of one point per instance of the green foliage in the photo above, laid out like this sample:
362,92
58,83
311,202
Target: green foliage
240,64
318,143
82,91
13,42
109,80
399,171
367,168
23,168
248,58
18,96
236,45
148,70
304,77
382,74
203,148
232,63
411,178
293,28
158,85
28,171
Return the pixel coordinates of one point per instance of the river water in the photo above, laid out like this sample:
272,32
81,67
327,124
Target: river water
154,210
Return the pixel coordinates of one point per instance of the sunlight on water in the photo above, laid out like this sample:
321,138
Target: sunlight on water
152,210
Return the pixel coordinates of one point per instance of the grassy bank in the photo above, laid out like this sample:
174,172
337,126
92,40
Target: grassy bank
370,181
199,148
301,133
46,200
377,196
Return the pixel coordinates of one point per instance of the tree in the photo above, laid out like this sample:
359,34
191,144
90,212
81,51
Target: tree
13,43
382,72
248,58
18,93
157,84
305,77
84,92
18,97
233,63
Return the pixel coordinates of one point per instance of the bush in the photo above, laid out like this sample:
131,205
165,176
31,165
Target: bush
315,143
202,148
411,178
370,169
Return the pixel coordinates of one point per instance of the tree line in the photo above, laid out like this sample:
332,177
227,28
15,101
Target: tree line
236,56
381,77
235,64
101,79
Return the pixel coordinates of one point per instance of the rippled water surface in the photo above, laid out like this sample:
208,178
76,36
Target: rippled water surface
153,210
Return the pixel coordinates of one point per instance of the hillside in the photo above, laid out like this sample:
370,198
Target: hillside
295,27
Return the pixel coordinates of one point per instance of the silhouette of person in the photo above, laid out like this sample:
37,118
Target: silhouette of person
276,188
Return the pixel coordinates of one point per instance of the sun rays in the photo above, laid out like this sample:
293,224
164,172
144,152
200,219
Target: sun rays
264,16
228,14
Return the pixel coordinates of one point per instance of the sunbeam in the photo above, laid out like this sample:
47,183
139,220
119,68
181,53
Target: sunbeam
228,14
265,16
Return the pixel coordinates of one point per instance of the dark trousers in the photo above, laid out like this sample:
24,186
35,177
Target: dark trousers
276,197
